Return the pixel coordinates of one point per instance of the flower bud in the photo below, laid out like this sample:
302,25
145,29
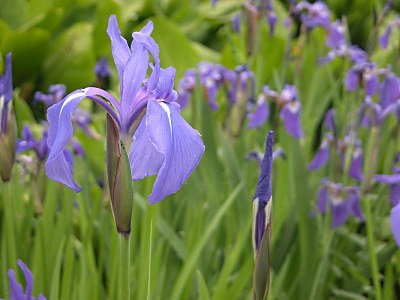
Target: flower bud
119,179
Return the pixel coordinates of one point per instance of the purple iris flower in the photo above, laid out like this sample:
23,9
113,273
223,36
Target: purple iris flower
29,142
263,193
56,93
343,202
290,112
365,73
147,117
322,156
355,54
336,35
312,14
17,290
6,94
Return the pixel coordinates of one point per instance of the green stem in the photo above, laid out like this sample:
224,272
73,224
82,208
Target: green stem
371,246
124,266
9,229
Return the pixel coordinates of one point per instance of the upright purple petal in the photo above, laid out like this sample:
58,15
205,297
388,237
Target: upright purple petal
336,35
264,186
290,115
119,46
144,38
28,279
16,290
101,69
165,88
385,37
330,119
356,165
322,201
321,158
133,76
6,88
395,223
179,143
236,23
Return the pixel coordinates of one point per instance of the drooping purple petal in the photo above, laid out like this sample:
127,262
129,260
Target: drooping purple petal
352,80
179,143
321,158
394,193
330,119
356,165
389,91
339,212
264,186
144,158
353,203
59,115
260,114
371,83
395,223
387,179
119,46
290,115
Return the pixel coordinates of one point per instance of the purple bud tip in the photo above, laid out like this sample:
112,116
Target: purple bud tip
264,186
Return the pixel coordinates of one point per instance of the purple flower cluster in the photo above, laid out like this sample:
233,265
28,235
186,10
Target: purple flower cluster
288,103
213,78
342,201
311,15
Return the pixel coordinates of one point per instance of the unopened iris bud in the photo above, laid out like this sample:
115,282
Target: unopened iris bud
262,203
119,179
8,127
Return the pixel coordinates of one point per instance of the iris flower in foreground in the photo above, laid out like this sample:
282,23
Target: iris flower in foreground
147,119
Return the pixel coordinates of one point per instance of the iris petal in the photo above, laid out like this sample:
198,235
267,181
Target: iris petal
180,144
119,46
260,115
395,223
58,166
144,158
